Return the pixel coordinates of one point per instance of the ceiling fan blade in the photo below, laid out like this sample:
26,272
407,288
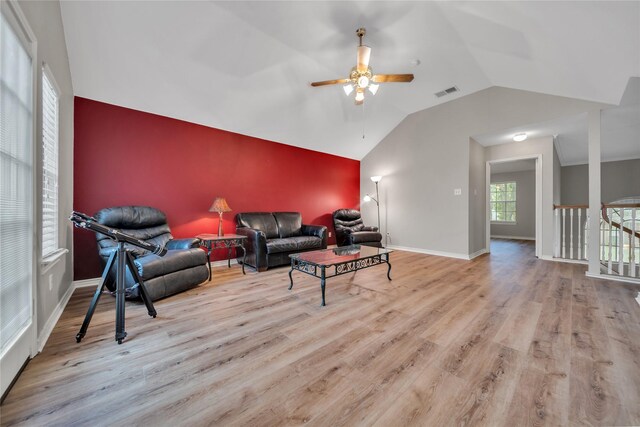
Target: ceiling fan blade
392,78
364,54
330,82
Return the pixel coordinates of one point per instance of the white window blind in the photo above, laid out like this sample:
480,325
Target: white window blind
49,165
16,198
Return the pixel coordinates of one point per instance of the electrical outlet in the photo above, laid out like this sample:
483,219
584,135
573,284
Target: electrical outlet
457,191
51,282
329,234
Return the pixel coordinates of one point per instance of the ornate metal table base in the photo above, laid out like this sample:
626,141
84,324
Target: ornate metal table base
213,242
323,272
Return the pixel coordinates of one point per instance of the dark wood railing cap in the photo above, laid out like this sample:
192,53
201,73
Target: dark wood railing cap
570,206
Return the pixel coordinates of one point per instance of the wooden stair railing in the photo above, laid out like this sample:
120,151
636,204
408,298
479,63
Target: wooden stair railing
606,218
618,251
620,264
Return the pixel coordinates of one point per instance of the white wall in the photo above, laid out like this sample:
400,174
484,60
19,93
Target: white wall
477,197
427,156
617,179
46,22
525,225
557,177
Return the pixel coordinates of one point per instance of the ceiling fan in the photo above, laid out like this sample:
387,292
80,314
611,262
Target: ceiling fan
361,76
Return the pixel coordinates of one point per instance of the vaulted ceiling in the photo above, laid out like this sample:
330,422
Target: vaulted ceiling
246,66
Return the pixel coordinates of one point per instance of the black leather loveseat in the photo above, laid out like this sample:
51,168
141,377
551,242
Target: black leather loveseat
183,267
274,236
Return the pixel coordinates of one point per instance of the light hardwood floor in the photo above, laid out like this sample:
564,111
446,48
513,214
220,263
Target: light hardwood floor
505,339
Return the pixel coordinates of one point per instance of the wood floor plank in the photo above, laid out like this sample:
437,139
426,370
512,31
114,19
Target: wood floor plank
621,322
519,327
426,402
594,398
490,387
550,350
540,399
504,339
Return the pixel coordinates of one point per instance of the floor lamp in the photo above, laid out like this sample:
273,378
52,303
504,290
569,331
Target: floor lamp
376,179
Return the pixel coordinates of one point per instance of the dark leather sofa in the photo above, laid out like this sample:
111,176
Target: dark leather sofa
183,267
272,237
350,229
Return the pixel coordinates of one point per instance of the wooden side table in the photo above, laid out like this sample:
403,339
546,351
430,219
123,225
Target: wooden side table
212,242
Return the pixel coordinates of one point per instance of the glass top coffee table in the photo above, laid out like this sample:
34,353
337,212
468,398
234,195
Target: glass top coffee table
327,263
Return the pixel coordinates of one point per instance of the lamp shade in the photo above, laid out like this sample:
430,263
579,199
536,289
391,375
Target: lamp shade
220,205
376,178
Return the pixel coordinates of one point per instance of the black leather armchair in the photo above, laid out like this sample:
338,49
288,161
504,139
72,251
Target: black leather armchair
350,229
183,267
272,237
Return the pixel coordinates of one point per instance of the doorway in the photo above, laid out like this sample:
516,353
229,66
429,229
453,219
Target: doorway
514,200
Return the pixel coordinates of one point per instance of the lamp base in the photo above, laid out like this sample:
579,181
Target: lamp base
220,232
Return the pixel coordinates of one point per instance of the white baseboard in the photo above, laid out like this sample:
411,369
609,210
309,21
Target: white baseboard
568,261
614,278
53,319
62,304
430,252
513,237
478,253
93,282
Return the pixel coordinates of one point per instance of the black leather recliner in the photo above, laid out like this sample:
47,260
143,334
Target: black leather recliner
183,267
350,229
274,236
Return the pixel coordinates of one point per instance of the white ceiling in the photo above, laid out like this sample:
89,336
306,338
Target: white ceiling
571,137
620,132
246,66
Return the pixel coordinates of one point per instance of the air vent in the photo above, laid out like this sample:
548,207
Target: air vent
447,91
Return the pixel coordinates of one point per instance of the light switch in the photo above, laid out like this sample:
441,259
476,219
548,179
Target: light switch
457,191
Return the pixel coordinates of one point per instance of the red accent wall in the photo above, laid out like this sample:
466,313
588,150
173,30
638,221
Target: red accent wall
128,157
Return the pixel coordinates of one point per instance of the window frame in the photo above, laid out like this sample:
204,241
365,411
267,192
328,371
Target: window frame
52,255
504,202
11,357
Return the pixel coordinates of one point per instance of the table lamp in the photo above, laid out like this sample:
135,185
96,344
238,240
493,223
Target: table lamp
220,205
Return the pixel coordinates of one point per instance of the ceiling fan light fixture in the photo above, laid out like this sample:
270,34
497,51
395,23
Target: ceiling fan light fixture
364,54
361,76
519,137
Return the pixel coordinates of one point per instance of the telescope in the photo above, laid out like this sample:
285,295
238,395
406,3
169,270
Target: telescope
120,260
85,221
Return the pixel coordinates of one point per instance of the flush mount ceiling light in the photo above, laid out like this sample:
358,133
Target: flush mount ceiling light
361,77
519,137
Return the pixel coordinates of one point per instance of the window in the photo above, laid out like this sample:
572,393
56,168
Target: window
16,195
50,98
503,202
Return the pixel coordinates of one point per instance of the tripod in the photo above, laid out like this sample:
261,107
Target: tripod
122,259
